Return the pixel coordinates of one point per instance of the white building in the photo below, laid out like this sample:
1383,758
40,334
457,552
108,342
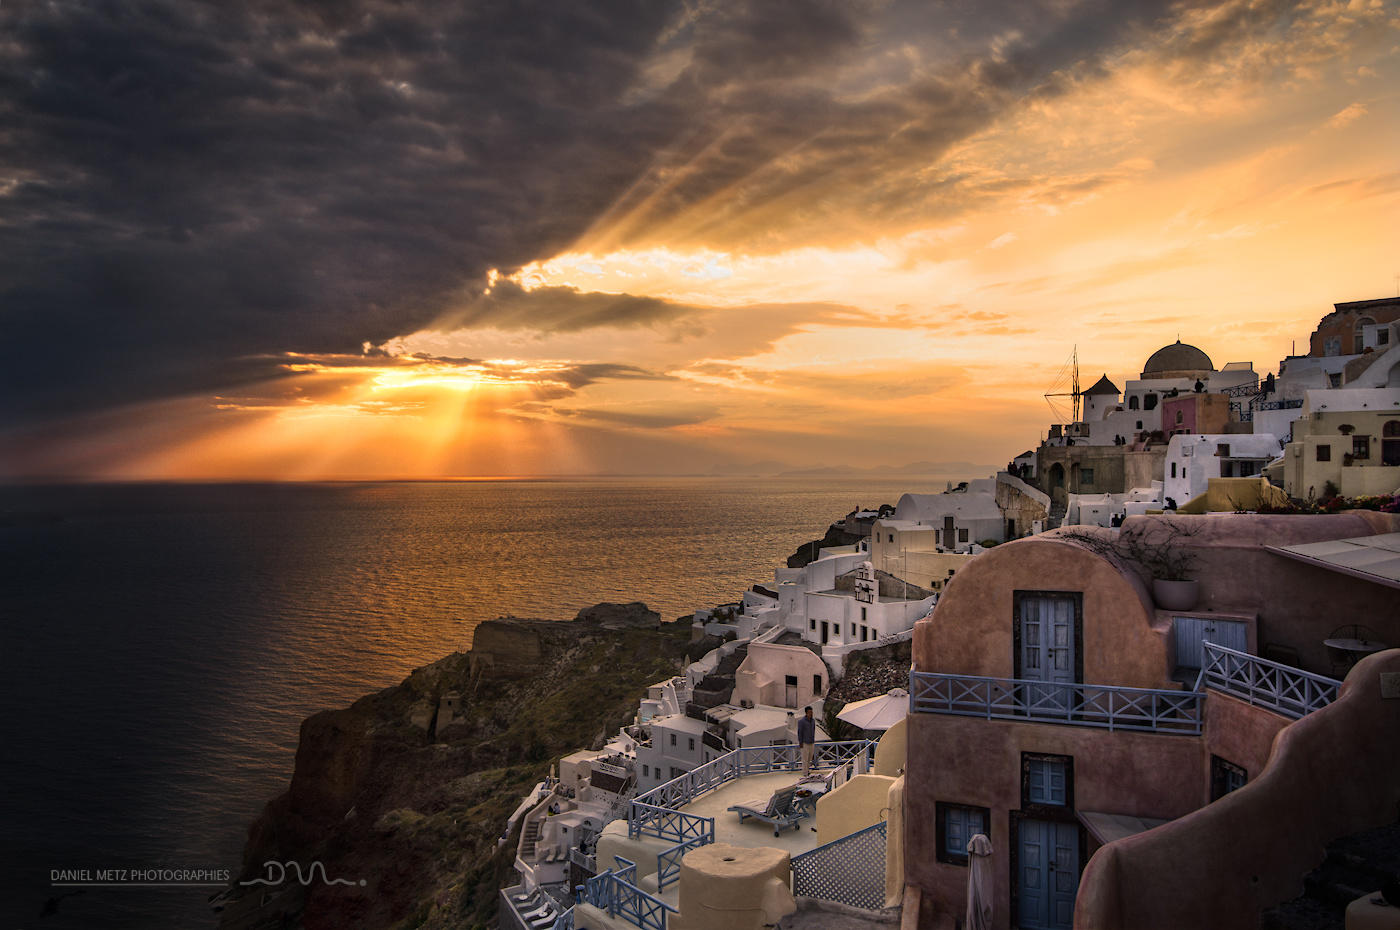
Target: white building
1192,460
998,508
1111,417
872,611
676,745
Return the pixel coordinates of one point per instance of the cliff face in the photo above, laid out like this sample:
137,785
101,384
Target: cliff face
404,794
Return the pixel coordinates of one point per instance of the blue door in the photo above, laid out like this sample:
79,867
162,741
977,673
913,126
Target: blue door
1191,632
1048,874
1047,649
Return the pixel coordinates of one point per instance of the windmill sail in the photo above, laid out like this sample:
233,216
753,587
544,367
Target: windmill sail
1068,376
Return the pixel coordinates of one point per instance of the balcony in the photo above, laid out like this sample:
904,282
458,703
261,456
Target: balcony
1281,688
1071,703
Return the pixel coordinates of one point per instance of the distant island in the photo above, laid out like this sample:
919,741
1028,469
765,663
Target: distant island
786,470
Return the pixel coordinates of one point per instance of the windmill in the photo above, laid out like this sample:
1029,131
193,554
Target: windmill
1070,369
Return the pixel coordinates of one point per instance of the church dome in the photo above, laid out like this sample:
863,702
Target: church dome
1170,360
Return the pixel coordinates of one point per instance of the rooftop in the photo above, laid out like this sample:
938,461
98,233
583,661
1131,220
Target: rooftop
1177,357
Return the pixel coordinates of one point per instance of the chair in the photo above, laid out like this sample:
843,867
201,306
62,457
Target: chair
1283,655
780,811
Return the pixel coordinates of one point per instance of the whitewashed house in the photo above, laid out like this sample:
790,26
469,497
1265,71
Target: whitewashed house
1193,460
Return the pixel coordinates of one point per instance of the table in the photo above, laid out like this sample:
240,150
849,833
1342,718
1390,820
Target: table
810,791
1355,649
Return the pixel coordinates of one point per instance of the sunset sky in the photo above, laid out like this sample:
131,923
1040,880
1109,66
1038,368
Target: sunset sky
361,239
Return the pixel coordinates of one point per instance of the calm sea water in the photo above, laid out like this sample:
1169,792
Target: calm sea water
160,644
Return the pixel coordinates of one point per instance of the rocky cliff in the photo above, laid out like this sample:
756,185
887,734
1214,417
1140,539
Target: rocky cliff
402,797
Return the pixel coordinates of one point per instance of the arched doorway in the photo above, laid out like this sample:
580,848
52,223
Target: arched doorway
1057,476
1390,443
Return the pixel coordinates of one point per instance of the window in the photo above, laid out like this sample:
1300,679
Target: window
1133,405
1382,337
1139,424
853,630
1173,469
1225,777
891,537
962,535
1046,780
673,739
862,615
1361,447
1086,477
816,684
1332,345
1334,379
1324,453
813,621
864,633
646,771
692,744
1180,417
955,826
1149,402
1222,449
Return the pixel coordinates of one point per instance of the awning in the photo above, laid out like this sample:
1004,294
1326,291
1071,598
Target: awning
1109,827
1374,558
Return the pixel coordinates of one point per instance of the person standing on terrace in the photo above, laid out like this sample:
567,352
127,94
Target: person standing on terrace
806,739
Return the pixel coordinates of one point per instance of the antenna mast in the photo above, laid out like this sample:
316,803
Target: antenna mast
1074,385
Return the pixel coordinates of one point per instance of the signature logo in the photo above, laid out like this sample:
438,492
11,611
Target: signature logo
277,874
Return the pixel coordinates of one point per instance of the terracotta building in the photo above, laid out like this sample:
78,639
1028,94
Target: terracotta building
1061,711
1347,330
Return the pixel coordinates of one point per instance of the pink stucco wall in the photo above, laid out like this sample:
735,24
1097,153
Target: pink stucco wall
1298,605
1187,407
1238,733
1330,774
1125,642
970,632
967,760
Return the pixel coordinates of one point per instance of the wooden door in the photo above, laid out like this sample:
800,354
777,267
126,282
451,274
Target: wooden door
1047,874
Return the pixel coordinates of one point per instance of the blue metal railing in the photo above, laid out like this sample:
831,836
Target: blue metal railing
565,921
657,812
614,891
850,870
668,863
1073,703
1282,688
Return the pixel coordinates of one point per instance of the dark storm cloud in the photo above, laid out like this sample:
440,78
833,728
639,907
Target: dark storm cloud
560,309
186,185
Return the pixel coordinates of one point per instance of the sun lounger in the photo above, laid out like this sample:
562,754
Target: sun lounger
780,811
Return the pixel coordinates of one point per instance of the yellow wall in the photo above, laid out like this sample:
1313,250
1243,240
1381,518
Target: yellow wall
859,803
892,750
1305,476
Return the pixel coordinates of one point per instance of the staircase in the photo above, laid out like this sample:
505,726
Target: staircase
1354,865
530,839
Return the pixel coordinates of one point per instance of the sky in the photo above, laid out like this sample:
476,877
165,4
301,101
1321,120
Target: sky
415,240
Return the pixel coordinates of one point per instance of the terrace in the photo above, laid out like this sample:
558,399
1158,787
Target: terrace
693,811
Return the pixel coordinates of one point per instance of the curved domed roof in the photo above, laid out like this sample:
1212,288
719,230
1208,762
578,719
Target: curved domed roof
1177,357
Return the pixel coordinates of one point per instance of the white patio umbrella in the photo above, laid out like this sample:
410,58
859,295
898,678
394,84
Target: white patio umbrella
877,713
979,883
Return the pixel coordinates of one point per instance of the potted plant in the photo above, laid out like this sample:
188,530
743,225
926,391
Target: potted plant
1161,554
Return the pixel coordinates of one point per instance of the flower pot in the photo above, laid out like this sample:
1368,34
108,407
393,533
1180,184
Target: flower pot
1175,595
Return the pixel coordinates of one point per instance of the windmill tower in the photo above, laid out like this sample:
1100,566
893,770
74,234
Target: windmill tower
1072,368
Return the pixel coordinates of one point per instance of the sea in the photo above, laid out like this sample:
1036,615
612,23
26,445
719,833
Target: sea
160,644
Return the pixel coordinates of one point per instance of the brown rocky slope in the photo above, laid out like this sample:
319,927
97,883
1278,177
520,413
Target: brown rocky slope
407,808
